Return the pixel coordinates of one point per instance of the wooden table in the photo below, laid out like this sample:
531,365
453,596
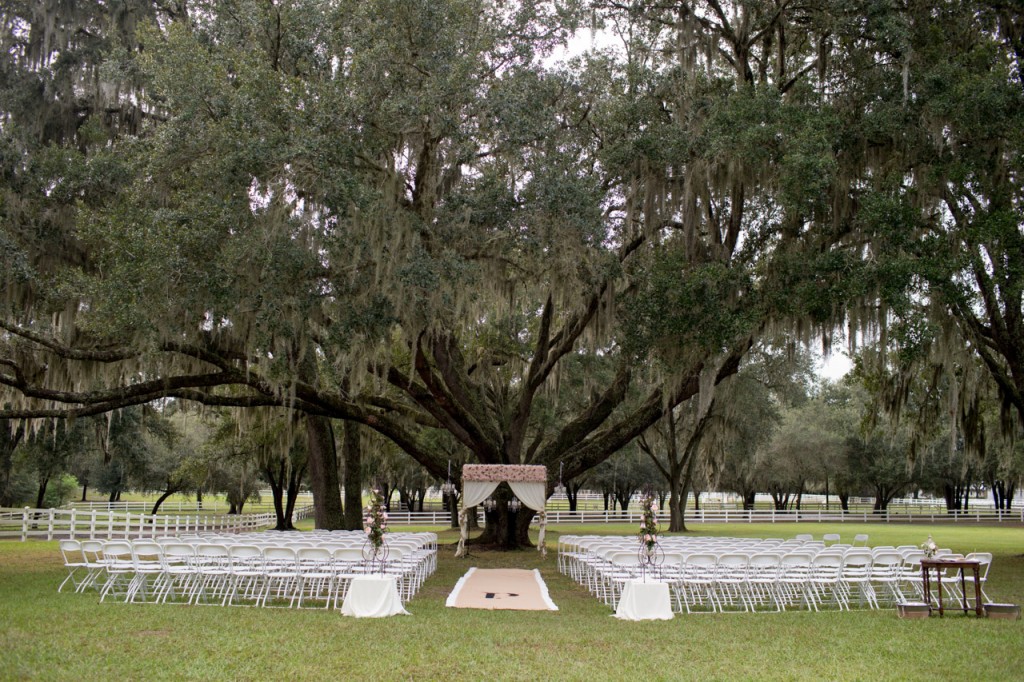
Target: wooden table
942,563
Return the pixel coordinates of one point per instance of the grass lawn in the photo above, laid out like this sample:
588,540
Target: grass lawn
45,635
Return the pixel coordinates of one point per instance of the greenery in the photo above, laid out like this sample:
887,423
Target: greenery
50,636
410,218
376,522
648,535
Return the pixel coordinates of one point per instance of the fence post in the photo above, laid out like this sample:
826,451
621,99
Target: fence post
24,525
92,524
74,517
49,524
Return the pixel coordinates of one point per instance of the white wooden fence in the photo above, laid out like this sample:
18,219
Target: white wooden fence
793,516
48,524
741,516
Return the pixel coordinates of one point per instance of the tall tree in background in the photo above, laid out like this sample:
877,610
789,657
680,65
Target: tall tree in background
396,214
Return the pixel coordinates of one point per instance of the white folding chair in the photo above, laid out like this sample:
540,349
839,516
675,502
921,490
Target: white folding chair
696,589
180,572
246,572
149,570
985,559
317,577
887,574
824,580
75,564
731,581
856,575
118,568
282,575
763,572
92,554
213,567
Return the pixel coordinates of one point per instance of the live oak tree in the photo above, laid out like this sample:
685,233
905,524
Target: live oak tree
950,211
398,215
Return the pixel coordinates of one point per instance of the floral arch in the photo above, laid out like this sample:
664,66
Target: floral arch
528,483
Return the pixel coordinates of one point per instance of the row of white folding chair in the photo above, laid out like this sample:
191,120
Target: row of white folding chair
740,580
580,555
215,573
426,540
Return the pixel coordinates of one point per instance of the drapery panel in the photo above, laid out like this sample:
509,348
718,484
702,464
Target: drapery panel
534,496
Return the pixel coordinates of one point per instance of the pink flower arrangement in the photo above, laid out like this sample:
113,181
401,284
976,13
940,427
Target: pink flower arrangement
375,521
648,534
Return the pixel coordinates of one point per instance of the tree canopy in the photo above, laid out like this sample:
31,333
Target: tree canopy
412,216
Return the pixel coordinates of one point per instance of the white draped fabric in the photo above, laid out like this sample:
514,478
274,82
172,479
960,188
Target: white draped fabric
534,496
644,601
373,596
475,492
528,483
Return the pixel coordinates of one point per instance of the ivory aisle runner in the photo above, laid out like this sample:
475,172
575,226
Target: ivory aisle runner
501,588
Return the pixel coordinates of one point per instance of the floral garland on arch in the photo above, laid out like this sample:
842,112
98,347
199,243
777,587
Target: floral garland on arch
375,522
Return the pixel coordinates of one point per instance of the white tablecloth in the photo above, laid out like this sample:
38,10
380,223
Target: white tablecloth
373,596
644,601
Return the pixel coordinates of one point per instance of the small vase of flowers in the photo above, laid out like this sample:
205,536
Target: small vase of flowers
929,547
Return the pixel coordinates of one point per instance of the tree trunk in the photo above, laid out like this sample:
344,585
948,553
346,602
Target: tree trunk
85,488
997,494
323,474
276,482
352,454
505,530
572,493
844,502
115,491
160,500
684,492
952,498
232,509
43,482
453,509
8,442
748,500
294,481
623,497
